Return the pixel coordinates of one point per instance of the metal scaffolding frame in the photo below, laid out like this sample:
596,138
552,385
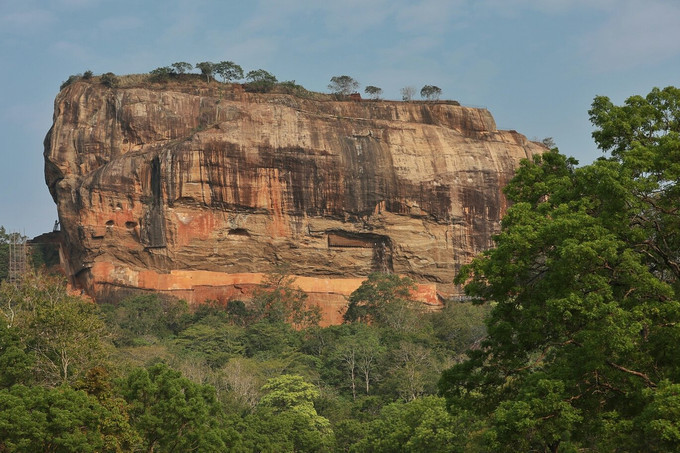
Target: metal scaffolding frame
17,258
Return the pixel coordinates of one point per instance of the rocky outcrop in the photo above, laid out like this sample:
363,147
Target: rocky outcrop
197,189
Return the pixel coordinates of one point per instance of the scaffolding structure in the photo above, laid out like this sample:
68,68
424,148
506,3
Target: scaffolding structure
17,258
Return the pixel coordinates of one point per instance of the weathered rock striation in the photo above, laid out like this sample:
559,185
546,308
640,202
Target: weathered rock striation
197,190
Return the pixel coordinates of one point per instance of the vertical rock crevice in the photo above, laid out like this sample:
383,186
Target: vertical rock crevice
153,222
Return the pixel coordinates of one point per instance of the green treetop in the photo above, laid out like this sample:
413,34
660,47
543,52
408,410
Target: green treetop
582,341
343,85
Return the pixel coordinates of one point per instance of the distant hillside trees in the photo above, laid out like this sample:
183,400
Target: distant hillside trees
172,413
548,142
229,71
161,74
343,85
152,374
182,67
407,93
64,334
430,92
109,79
260,81
207,68
373,92
164,73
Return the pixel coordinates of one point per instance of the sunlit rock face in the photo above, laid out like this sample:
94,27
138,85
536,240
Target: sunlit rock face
197,190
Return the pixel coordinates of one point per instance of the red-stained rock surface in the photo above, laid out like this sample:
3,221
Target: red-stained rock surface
196,190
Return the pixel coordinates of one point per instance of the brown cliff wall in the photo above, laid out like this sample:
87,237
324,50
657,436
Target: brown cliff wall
197,190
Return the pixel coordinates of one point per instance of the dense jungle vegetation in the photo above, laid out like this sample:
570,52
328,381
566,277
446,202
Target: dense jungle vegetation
150,374
571,343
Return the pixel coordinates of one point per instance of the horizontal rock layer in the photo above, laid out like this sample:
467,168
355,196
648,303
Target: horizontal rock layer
185,188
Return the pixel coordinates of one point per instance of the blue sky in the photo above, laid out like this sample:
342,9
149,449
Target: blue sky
535,64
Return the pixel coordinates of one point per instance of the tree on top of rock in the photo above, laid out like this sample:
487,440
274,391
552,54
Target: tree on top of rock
373,91
343,85
260,81
182,67
430,92
229,71
207,68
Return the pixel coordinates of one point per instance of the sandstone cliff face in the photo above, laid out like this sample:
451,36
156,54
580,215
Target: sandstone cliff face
197,190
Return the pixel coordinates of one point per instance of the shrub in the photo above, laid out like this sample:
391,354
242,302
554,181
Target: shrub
343,85
181,67
260,81
207,68
373,91
430,92
109,79
69,81
407,93
229,71
290,87
161,74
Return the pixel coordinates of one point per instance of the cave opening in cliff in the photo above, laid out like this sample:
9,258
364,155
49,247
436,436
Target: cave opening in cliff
381,246
238,232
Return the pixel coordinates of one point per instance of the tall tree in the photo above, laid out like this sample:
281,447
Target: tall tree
207,68
174,414
229,71
411,363
161,74
407,93
286,419
583,335
373,91
343,85
16,361
181,67
418,426
64,333
430,92
278,299
385,299
62,419
260,81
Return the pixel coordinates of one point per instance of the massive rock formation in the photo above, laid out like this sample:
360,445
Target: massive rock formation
197,189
